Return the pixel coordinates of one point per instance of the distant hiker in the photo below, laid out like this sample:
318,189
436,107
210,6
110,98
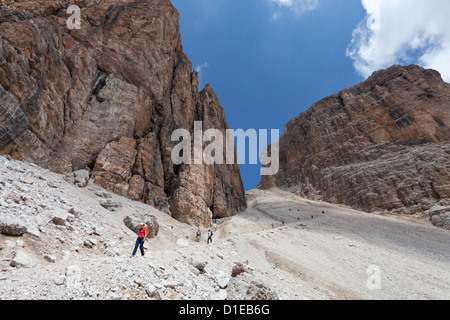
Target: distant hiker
199,234
210,234
143,234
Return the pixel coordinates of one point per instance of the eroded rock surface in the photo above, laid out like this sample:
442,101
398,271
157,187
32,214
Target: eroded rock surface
382,145
107,98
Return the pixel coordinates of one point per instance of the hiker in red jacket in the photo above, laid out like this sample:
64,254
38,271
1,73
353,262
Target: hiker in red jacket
143,233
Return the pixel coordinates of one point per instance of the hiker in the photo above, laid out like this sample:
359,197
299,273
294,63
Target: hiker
210,234
198,235
143,234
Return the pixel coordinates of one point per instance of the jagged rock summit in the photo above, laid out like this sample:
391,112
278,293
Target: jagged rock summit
380,146
106,98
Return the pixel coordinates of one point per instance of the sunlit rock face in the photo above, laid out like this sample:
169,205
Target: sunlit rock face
380,146
107,97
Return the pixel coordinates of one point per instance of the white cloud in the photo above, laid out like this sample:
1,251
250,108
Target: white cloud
402,32
297,6
202,66
199,70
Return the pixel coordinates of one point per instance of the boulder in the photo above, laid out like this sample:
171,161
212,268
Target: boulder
81,178
90,243
103,194
59,216
111,205
50,258
238,268
23,260
26,179
12,226
440,216
200,266
133,223
222,279
151,290
247,287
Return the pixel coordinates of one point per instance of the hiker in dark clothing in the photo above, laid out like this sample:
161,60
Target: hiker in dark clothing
210,234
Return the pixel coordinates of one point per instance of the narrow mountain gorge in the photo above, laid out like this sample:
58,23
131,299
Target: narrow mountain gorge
87,117
380,146
106,99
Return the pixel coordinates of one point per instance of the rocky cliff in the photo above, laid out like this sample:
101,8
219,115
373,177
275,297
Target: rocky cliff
380,146
107,98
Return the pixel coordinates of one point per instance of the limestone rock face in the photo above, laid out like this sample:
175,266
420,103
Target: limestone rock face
382,145
107,97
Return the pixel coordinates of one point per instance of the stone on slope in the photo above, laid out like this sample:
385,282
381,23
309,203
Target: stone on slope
247,287
111,205
222,279
59,216
23,260
133,223
440,216
12,226
81,178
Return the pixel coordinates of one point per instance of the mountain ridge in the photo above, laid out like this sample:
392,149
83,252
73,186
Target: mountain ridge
106,98
380,146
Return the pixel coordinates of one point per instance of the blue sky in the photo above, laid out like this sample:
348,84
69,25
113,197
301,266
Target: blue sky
270,60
